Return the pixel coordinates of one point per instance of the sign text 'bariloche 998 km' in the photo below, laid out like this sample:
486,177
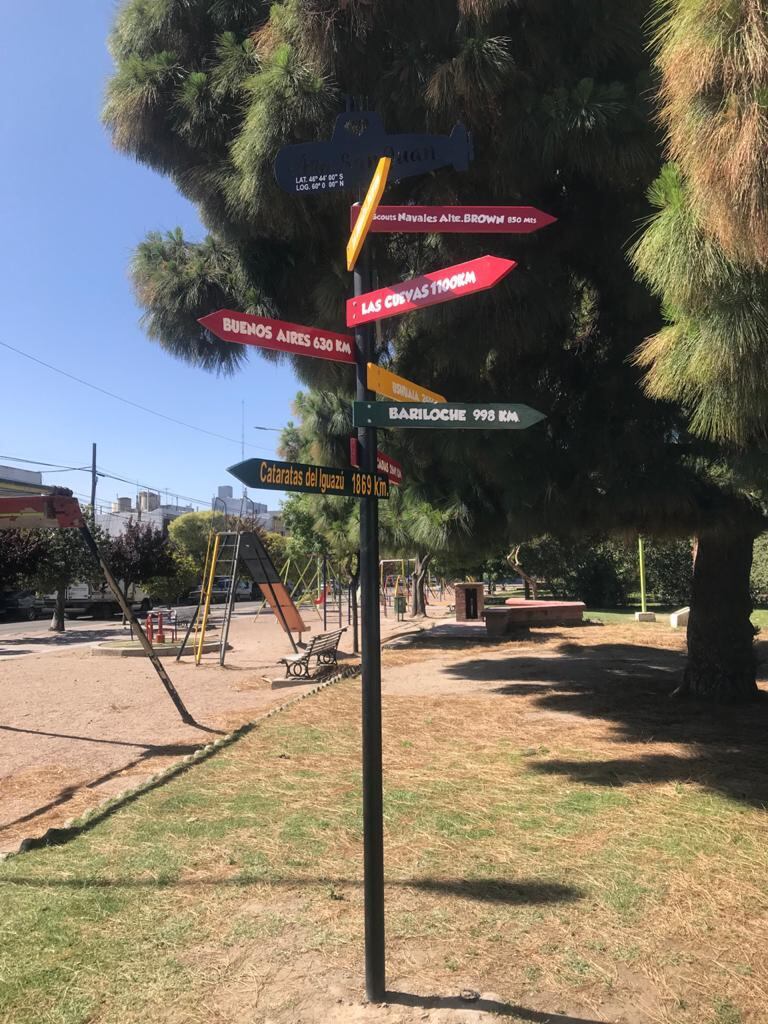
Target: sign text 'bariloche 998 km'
450,415
298,476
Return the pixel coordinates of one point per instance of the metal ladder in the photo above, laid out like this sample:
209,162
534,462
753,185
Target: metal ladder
221,560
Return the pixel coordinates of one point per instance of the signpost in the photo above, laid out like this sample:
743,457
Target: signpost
373,795
451,415
358,141
367,211
438,286
357,148
279,335
398,388
385,464
298,476
443,220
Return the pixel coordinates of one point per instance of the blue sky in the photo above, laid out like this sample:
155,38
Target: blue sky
72,210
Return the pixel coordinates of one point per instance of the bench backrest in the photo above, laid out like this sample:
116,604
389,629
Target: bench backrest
324,642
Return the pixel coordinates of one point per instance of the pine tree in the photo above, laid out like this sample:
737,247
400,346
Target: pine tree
705,254
554,93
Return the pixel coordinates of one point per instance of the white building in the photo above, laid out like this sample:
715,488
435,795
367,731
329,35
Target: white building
22,481
270,519
232,506
115,522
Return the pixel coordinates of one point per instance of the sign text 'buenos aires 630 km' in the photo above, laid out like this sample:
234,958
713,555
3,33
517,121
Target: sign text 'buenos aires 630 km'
451,415
279,335
298,476
438,286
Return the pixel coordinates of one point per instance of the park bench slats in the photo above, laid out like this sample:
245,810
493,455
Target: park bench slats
323,647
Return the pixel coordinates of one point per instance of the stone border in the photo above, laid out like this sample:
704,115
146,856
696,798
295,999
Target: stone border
93,817
165,651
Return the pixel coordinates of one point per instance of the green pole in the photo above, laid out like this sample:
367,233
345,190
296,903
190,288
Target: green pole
641,552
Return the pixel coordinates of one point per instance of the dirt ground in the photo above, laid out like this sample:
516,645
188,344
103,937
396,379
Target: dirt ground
79,729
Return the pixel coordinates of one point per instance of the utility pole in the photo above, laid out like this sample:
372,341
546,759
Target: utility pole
93,481
373,808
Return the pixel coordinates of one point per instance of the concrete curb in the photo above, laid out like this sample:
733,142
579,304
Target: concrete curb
78,826
162,651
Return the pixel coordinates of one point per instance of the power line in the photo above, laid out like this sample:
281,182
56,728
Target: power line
150,487
127,401
107,476
34,462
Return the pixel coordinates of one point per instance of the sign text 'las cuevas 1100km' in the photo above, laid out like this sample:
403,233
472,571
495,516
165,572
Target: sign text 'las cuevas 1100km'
279,335
298,476
451,415
456,220
438,286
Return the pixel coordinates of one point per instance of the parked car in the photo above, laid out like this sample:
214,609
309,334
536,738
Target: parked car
220,590
20,604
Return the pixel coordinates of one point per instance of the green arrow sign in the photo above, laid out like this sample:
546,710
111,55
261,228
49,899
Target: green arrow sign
298,476
448,415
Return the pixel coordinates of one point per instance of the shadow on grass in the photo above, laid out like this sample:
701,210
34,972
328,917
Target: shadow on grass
483,1006
629,687
514,893
69,792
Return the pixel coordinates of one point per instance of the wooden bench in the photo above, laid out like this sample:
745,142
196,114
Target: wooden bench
323,648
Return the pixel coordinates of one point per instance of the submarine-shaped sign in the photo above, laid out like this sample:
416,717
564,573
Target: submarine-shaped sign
358,141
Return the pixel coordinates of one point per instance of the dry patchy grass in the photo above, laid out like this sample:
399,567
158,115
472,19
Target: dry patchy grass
617,873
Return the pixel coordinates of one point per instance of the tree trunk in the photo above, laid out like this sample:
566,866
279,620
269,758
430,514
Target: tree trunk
57,622
721,657
531,585
418,601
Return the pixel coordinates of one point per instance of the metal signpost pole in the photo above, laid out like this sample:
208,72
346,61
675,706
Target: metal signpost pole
325,592
373,826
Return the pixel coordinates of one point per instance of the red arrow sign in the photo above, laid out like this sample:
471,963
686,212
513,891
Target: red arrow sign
476,220
439,286
384,463
280,336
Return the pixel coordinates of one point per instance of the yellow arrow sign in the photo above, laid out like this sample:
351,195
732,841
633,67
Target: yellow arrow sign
398,388
368,211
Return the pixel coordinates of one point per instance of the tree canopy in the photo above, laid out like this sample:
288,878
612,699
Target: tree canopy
556,94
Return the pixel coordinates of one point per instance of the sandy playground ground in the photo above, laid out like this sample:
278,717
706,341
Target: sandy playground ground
79,729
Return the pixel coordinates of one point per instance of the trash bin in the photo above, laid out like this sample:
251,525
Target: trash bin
400,607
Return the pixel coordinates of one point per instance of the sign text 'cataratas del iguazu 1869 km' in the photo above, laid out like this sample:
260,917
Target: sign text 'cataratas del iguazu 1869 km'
298,476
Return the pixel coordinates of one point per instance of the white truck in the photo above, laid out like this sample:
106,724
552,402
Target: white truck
98,601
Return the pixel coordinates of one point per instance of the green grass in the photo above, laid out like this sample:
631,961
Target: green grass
626,615
241,880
